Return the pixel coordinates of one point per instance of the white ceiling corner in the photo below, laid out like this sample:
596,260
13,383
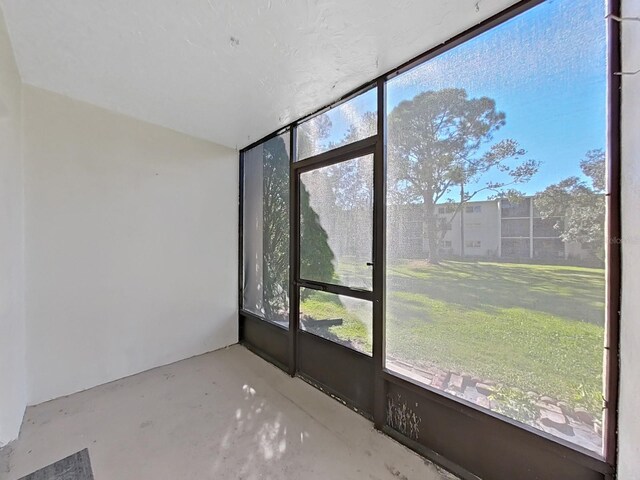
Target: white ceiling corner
229,71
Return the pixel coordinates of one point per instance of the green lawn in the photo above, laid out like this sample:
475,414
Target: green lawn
532,327
356,318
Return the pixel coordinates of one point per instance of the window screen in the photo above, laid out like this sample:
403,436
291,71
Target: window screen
514,322
349,122
266,230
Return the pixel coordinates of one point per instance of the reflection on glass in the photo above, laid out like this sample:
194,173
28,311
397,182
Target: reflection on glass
496,220
266,230
336,221
347,123
341,319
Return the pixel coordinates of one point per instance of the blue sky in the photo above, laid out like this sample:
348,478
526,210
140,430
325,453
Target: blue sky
545,69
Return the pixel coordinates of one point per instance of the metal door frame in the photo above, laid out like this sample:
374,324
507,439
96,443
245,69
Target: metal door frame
341,365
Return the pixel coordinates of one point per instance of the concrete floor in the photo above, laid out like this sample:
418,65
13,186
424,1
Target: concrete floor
223,415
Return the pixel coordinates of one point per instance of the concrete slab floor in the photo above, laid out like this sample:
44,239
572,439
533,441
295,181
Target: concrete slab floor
224,415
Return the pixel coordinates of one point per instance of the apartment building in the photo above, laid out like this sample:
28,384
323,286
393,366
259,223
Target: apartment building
488,228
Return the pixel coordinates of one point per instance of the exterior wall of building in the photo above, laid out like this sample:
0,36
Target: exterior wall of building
492,229
525,235
480,236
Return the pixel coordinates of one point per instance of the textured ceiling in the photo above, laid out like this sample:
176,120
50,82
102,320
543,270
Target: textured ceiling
230,71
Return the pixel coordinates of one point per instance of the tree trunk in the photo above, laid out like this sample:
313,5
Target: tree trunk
462,207
431,224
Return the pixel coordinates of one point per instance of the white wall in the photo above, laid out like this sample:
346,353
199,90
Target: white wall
131,241
12,327
629,419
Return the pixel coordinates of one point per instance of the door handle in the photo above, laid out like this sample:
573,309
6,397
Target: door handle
369,264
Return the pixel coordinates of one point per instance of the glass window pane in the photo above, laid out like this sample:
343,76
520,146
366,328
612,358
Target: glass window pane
336,222
266,230
504,304
341,319
349,122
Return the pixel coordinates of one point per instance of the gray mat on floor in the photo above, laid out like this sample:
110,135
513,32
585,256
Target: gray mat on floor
74,467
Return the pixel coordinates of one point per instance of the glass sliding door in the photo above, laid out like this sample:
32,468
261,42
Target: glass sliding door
496,221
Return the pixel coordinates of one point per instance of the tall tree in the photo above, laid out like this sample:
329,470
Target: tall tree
440,140
275,201
579,206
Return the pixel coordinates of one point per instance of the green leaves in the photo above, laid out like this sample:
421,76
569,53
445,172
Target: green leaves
582,206
437,144
276,228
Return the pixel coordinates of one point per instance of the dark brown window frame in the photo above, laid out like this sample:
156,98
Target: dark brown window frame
546,455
